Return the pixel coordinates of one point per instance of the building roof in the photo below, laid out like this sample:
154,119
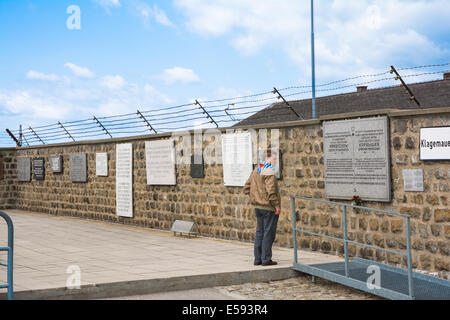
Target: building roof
431,94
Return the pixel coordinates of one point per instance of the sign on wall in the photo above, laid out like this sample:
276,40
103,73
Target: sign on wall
237,158
39,169
24,169
413,180
357,160
78,167
124,180
160,162
435,143
101,164
56,164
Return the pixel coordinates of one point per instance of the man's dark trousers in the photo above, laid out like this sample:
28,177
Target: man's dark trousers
265,234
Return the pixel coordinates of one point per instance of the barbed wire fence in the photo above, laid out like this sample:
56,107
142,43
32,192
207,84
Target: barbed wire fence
201,113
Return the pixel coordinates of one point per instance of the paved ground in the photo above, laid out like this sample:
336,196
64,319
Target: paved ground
46,246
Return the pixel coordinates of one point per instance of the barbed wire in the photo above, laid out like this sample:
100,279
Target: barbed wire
188,115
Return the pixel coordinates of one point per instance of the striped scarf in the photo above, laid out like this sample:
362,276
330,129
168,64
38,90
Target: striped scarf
263,166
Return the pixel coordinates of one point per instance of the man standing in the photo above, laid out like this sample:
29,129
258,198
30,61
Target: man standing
262,187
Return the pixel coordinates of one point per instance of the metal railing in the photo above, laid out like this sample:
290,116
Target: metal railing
9,249
346,241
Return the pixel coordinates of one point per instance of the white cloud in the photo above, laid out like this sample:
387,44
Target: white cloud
146,12
81,72
113,82
352,37
35,75
108,3
179,74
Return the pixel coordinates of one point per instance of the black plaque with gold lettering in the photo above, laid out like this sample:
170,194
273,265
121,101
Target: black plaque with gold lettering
197,167
38,169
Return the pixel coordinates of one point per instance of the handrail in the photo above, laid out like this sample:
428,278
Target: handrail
345,239
10,250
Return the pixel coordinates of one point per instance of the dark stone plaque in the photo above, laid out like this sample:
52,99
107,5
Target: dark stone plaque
39,169
56,164
78,167
24,169
1,168
197,166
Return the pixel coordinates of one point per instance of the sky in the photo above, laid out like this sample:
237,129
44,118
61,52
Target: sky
117,56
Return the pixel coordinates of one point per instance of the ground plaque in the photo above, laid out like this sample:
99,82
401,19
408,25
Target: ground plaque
160,162
124,180
197,166
24,169
78,167
357,162
56,164
237,158
39,169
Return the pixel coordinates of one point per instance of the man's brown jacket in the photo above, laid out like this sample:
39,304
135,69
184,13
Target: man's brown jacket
263,189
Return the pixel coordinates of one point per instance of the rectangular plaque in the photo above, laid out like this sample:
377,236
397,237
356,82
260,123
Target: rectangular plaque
357,160
24,169
2,170
413,180
160,162
39,168
197,166
124,180
78,167
435,143
101,164
237,157
56,163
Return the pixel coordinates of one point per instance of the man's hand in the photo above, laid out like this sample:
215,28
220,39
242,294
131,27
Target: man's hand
277,211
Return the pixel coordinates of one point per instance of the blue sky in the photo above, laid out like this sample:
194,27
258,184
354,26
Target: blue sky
149,54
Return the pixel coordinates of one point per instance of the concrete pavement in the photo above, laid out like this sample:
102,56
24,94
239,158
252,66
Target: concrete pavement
118,260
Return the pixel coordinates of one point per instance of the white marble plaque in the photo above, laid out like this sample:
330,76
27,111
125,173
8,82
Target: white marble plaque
413,180
101,164
24,169
160,162
124,180
357,161
56,164
237,158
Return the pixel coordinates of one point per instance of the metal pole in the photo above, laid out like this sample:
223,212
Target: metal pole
408,246
344,221
313,63
10,254
294,228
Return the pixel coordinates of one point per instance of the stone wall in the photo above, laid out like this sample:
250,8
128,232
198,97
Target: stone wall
225,212
8,178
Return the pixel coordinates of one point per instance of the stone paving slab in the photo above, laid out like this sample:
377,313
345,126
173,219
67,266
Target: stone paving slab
107,253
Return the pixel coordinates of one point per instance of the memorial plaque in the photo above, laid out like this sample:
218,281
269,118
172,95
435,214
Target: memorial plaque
56,163
357,162
237,156
78,167
160,162
197,166
101,164
124,180
24,169
413,180
39,169
1,168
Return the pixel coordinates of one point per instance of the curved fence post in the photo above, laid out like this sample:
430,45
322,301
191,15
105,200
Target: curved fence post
10,250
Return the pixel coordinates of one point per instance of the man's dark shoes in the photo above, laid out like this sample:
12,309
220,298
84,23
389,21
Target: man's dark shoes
257,263
269,263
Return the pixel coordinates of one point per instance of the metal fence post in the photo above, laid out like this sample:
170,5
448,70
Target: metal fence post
408,246
344,221
10,250
294,228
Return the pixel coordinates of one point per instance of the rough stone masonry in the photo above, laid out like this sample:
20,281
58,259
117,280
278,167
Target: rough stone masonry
225,212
